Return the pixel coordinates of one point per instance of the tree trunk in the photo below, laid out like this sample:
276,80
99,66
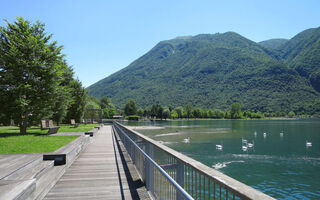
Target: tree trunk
23,127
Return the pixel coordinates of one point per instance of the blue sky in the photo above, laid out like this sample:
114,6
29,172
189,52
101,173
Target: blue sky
101,37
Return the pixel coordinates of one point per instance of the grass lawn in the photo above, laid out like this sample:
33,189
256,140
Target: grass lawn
70,128
88,125
35,141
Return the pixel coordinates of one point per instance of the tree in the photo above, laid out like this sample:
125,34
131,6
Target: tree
235,111
291,114
29,72
79,101
104,102
130,108
166,113
179,111
188,110
159,112
174,114
140,112
63,95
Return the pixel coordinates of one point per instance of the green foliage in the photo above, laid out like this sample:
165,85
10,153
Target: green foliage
302,53
35,80
291,114
133,117
235,111
30,68
315,80
108,109
188,111
166,113
174,114
214,71
78,102
273,43
130,108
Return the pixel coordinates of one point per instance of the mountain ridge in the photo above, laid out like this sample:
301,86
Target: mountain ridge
211,70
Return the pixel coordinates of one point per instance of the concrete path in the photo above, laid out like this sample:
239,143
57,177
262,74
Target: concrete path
100,172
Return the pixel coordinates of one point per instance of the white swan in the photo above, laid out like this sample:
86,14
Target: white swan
264,135
244,141
219,147
250,145
244,148
186,140
308,144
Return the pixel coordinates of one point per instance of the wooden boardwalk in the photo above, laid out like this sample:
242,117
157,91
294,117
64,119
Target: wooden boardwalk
100,172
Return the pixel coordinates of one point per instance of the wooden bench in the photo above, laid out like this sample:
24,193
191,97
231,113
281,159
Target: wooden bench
73,122
48,124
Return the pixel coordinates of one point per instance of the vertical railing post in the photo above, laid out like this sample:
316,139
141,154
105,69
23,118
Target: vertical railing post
180,177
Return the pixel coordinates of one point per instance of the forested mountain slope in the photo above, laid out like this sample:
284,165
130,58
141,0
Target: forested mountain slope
211,70
273,43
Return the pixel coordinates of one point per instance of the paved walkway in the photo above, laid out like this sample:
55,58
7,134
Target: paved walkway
100,172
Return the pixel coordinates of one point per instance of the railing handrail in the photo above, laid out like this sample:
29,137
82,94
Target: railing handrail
171,180
237,187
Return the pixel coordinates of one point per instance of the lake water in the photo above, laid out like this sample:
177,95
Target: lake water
279,165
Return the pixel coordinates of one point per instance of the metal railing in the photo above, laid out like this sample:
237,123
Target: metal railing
171,175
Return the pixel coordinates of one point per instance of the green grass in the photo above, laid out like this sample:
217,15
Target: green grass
35,141
88,125
70,128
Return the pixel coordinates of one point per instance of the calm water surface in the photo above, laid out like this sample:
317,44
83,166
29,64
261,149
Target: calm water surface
278,165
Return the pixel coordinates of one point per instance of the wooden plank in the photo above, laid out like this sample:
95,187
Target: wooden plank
95,174
9,163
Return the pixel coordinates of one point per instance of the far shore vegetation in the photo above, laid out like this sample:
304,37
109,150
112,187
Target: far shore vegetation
159,112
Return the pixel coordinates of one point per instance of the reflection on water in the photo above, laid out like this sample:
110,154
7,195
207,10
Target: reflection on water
279,162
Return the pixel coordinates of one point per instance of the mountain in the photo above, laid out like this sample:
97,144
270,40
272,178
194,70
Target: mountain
273,43
302,53
211,70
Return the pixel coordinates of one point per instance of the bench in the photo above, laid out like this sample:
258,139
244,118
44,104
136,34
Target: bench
48,124
73,122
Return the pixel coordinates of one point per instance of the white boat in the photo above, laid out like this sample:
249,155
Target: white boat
255,134
264,135
281,134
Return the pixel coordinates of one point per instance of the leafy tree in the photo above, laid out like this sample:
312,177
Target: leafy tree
166,113
179,111
188,110
29,72
63,95
109,112
104,102
218,114
235,111
291,114
160,112
210,113
140,112
174,114
130,107
79,102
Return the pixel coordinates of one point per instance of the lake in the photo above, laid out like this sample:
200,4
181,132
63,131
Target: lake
279,164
